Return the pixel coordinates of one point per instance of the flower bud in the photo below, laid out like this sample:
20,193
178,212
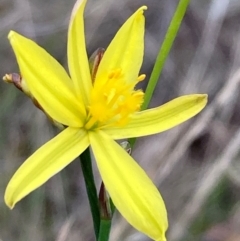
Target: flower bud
94,62
20,83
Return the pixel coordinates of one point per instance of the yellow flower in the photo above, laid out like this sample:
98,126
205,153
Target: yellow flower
95,115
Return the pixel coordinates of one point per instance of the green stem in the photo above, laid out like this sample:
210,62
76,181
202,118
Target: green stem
165,49
163,54
105,228
86,164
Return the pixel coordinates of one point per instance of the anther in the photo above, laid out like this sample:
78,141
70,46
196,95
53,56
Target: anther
116,73
111,74
141,77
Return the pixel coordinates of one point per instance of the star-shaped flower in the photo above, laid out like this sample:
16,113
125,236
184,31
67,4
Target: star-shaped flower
96,114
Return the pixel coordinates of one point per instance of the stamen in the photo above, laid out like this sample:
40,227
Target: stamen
111,74
114,99
116,73
141,77
90,124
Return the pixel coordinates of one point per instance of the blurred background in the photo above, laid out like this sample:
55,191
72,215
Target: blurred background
196,165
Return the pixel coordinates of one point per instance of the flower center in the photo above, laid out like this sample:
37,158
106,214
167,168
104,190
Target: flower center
113,100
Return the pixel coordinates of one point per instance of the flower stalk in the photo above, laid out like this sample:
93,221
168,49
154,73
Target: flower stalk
164,50
163,54
86,164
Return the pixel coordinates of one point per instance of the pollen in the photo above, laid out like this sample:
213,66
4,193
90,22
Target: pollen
113,100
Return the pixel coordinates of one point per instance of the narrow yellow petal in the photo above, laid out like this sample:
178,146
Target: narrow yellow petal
125,52
77,55
47,81
45,163
131,190
160,119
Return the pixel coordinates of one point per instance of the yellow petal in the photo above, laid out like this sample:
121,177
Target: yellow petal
131,190
160,119
77,55
45,163
47,81
125,52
